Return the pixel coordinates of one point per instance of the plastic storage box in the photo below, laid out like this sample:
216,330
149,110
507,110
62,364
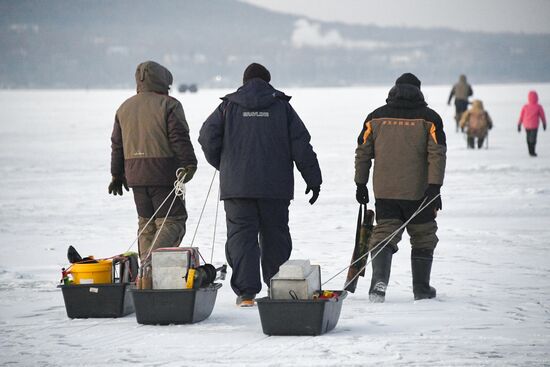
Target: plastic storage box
300,317
174,306
97,300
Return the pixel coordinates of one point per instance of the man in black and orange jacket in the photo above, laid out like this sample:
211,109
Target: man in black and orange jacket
406,140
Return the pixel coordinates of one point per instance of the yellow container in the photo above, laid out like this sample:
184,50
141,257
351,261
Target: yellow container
96,273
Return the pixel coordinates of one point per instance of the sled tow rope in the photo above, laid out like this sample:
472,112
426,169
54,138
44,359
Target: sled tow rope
423,205
179,191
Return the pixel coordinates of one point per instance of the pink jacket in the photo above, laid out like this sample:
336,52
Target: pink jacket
531,112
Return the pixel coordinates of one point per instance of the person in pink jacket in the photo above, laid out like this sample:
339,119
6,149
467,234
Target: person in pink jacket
529,118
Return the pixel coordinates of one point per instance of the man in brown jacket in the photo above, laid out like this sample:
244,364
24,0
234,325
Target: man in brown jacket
406,140
150,141
460,91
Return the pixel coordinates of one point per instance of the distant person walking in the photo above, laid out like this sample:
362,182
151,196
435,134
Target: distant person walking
460,91
405,138
150,141
476,123
531,115
254,138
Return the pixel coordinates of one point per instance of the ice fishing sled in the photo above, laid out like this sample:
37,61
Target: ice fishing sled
181,291
296,304
174,306
98,288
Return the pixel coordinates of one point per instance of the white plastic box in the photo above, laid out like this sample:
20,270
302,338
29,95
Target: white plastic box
296,279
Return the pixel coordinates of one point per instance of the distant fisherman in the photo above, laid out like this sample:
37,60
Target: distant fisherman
477,123
150,141
460,91
405,139
254,138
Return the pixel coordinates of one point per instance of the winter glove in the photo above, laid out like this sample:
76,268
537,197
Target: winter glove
362,194
432,191
115,187
519,128
187,173
315,194
544,127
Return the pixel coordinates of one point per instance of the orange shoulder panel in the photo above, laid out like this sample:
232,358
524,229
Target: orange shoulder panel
432,132
367,131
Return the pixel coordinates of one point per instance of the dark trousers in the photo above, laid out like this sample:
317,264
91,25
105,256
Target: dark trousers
531,140
167,228
149,198
461,105
471,142
257,232
391,214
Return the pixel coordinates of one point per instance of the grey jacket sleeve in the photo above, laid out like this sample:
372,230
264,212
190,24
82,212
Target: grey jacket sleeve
451,95
302,151
117,151
178,135
211,136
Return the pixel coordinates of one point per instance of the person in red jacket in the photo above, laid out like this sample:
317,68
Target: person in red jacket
531,115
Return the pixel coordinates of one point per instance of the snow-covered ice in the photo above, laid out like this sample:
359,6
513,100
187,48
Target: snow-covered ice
491,268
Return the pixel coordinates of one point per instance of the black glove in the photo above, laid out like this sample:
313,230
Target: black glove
544,127
519,128
115,187
315,195
432,191
362,194
187,173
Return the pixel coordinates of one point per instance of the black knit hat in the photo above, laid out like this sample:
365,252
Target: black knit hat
408,78
256,71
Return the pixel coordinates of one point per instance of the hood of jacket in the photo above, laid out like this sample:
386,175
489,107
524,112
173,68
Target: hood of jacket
153,77
533,97
462,79
255,94
477,105
405,96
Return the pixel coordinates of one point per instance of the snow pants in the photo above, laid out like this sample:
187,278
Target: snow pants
152,233
391,214
531,140
461,105
472,142
257,232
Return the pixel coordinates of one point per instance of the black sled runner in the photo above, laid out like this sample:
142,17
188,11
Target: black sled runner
365,223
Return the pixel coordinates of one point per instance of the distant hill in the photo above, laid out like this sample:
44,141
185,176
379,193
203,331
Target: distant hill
97,44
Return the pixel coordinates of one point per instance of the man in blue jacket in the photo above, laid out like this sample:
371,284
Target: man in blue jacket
254,138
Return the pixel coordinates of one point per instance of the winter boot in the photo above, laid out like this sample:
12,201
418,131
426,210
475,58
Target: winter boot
246,300
421,265
381,268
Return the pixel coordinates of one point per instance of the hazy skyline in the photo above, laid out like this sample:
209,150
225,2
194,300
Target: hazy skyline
527,16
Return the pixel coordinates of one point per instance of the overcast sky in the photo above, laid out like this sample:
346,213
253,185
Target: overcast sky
529,16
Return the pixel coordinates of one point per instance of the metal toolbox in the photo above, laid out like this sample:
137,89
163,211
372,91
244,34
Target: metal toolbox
296,279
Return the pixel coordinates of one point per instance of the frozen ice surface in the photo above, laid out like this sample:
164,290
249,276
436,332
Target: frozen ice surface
491,267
